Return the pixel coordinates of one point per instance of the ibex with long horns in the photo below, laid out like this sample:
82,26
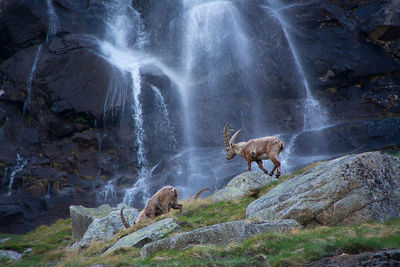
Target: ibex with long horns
256,150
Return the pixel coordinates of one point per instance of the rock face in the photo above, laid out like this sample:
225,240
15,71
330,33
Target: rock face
243,185
147,234
349,189
218,234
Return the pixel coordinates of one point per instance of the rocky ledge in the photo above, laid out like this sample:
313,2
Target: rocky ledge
349,189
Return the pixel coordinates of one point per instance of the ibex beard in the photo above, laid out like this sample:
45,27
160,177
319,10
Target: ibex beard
257,150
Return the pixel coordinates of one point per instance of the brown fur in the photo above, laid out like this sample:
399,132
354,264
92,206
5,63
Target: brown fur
256,150
160,203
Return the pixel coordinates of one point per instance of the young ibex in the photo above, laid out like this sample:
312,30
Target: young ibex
256,150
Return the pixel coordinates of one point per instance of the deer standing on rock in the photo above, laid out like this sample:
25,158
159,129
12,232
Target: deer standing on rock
267,147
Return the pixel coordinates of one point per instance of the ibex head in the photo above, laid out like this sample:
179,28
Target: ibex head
229,146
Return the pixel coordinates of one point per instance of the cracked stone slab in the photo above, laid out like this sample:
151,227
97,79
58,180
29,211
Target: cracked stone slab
350,189
218,234
146,235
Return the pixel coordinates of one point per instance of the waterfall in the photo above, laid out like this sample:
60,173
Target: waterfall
124,49
163,107
314,116
53,23
16,169
107,194
30,80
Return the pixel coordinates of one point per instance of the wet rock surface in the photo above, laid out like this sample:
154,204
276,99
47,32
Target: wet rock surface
350,189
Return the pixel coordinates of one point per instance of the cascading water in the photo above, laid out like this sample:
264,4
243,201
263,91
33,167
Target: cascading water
314,116
53,23
16,169
123,48
30,80
107,194
164,109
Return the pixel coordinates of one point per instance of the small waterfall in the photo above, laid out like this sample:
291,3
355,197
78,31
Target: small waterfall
17,168
53,23
48,191
163,107
30,80
107,194
314,116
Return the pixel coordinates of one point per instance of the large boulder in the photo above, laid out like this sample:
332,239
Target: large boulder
104,228
82,217
146,235
218,234
349,189
243,185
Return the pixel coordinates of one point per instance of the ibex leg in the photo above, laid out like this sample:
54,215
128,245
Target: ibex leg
260,165
277,165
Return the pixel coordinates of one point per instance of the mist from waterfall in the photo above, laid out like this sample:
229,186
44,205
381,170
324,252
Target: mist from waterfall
216,59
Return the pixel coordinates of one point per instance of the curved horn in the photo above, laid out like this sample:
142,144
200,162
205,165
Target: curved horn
226,135
233,138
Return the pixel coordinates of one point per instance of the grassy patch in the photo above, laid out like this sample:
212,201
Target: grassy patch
46,243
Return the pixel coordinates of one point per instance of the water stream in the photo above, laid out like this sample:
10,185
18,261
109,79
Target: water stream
21,162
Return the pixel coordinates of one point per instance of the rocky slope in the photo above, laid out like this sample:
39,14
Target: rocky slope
59,142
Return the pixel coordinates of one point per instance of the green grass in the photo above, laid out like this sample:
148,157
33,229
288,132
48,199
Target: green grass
46,243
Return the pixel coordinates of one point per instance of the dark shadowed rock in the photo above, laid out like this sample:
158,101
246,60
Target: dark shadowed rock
218,234
367,259
349,189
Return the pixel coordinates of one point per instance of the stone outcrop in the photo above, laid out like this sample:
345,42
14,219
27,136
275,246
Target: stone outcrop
245,184
349,189
218,234
146,235
98,223
103,227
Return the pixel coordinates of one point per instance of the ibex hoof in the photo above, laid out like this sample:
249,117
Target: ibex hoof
277,175
271,174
